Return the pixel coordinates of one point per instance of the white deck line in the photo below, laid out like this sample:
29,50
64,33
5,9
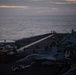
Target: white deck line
34,42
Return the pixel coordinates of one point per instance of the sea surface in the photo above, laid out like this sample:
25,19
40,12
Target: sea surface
21,26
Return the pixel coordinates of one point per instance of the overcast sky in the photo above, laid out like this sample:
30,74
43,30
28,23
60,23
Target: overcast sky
38,7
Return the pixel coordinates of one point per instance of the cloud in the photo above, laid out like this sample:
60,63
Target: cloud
45,9
63,2
38,6
72,1
15,7
55,9
58,2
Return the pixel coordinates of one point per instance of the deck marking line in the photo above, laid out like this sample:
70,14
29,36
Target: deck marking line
34,43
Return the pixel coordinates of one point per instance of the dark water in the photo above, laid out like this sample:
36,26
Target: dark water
16,27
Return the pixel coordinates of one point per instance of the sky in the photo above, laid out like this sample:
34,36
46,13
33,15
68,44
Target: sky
38,7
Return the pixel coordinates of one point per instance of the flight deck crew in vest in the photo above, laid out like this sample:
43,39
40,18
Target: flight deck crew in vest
53,49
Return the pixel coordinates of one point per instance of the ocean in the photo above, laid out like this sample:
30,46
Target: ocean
21,26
